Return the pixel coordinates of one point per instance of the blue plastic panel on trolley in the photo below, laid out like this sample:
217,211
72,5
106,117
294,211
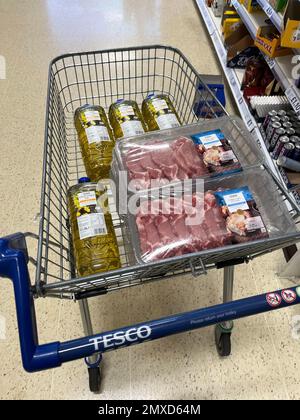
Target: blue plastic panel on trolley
13,264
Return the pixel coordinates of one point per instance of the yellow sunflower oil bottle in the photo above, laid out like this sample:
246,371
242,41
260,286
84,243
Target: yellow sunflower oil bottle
159,112
93,235
96,140
126,119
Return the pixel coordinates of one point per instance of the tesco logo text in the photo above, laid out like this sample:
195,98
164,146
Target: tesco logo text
121,338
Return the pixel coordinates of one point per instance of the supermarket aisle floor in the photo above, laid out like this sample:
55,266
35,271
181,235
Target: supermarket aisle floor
264,363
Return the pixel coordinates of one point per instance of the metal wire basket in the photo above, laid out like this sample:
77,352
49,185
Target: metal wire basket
101,78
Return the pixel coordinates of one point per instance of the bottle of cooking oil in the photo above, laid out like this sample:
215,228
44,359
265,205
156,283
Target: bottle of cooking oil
96,140
94,239
159,112
126,119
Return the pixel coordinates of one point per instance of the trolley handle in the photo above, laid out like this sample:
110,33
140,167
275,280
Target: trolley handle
13,264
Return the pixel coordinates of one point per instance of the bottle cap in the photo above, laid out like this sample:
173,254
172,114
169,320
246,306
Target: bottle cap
83,180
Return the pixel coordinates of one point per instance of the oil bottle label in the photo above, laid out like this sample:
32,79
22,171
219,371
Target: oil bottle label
97,134
87,198
92,116
126,110
132,128
90,225
159,104
167,121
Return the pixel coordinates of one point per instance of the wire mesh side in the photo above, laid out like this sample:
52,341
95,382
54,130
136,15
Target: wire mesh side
101,78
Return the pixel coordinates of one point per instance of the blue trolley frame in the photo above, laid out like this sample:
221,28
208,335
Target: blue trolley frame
36,357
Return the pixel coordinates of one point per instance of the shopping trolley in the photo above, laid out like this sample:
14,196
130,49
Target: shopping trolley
101,78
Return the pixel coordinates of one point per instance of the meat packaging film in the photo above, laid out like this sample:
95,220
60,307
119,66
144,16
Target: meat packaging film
170,225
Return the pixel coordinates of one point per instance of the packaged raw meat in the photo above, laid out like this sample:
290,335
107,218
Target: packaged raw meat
243,218
172,226
174,221
159,158
216,152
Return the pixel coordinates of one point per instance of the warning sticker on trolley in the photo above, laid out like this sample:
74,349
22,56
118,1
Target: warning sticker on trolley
289,296
273,299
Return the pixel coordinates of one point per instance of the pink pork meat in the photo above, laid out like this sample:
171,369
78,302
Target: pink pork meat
177,226
164,162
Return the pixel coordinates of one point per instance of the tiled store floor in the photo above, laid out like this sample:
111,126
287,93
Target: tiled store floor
265,358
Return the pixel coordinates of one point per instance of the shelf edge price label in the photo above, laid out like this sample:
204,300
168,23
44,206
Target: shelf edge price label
268,10
293,98
236,5
270,61
232,80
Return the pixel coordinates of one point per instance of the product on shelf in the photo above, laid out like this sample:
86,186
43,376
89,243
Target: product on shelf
230,25
263,105
271,129
216,152
160,158
291,22
281,143
96,140
291,164
268,40
257,74
278,5
159,112
94,240
240,48
126,119
217,7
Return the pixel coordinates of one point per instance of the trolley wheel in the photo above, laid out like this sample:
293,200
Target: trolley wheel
223,341
94,379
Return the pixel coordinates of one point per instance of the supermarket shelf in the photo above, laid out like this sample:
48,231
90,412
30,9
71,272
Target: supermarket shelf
282,67
234,78
275,17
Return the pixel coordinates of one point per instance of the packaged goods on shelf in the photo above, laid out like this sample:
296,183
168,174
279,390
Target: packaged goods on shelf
243,219
216,152
262,105
251,5
291,164
268,40
278,5
217,7
96,140
94,241
230,25
126,119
